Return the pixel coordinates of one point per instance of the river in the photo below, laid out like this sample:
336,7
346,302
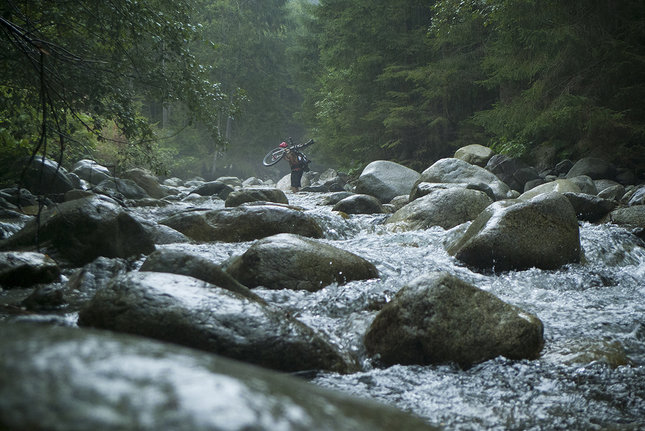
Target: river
591,374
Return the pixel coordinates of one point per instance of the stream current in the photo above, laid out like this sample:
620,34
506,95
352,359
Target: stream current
590,375
591,372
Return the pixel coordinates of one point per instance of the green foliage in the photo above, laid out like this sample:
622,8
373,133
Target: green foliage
74,65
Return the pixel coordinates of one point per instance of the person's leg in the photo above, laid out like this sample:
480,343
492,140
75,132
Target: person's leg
296,175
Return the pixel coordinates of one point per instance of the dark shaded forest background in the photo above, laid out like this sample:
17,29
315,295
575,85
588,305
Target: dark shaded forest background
205,87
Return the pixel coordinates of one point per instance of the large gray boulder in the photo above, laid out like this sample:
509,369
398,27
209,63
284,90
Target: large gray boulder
446,208
630,217
439,318
70,379
513,172
213,188
187,311
593,167
91,171
542,232
245,195
359,204
452,170
243,223
184,263
79,231
119,188
474,154
590,208
559,185
293,262
40,175
147,181
385,180
23,269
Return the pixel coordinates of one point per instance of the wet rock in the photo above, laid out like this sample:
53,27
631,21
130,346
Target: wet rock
385,180
560,186
288,261
181,262
78,379
542,232
439,318
41,176
636,196
84,282
147,181
243,223
213,188
359,204
91,171
79,231
590,208
451,170
424,188
446,208
45,298
239,197
233,182
513,172
193,313
629,217
23,269
593,167
584,352
614,193
474,154
563,167
585,183
11,222
334,198
120,189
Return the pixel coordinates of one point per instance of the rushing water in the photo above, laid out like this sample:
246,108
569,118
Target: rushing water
591,374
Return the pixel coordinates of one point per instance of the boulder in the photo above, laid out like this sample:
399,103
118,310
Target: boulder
560,186
41,176
513,172
385,180
474,154
614,193
147,181
359,204
233,182
446,208
120,189
585,183
78,231
590,208
190,312
24,269
439,318
212,188
541,232
238,197
424,188
288,261
636,196
334,198
452,170
181,262
243,223
562,167
593,167
91,171
84,282
630,217
45,298
11,222
79,379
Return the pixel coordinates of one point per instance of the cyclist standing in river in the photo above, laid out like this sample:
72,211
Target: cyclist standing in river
298,164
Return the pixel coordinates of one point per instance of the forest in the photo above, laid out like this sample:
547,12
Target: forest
204,87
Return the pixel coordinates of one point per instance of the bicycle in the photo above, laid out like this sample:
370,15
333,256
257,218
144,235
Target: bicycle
276,154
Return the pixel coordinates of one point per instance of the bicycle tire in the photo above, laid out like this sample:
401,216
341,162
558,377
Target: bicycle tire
273,156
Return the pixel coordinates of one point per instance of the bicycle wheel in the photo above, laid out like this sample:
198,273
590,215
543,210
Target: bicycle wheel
273,156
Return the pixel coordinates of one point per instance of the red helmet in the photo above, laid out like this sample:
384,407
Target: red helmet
283,145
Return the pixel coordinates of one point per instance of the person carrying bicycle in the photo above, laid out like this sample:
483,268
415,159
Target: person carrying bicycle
298,163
